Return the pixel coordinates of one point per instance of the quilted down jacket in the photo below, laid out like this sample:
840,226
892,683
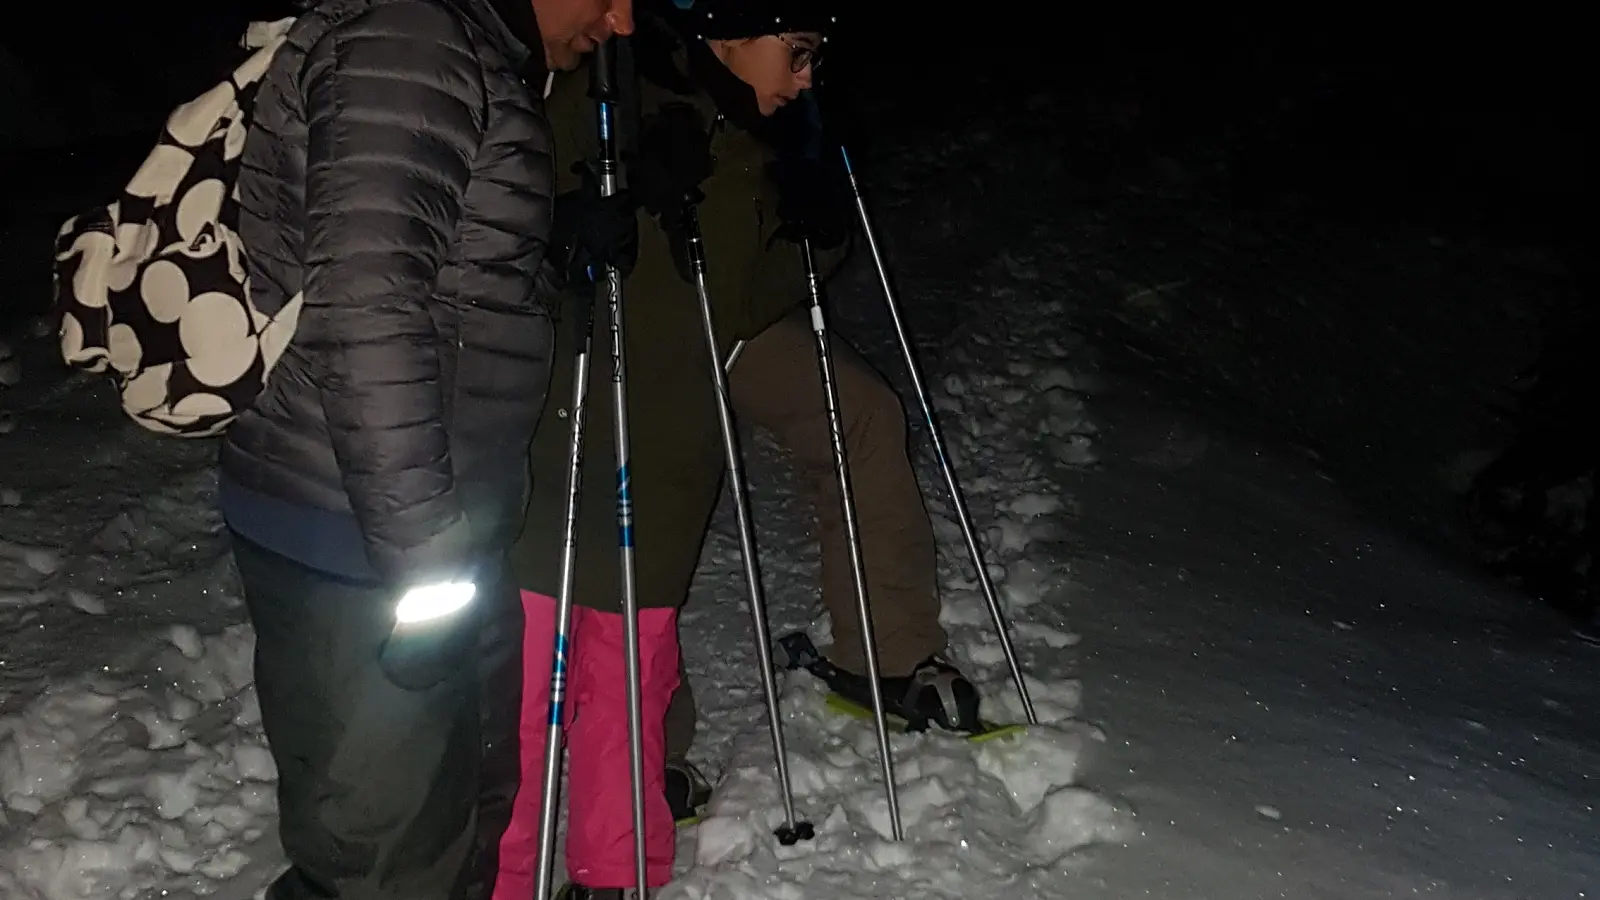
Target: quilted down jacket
397,171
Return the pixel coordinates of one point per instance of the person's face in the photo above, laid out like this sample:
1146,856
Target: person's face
777,67
571,28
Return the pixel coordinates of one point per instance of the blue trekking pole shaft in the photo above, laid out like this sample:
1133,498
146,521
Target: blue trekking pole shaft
550,797
957,499
550,800
603,88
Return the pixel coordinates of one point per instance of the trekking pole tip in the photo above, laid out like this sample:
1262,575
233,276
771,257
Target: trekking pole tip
790,834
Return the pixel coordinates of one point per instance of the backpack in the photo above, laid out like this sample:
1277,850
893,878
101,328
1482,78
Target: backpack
153,287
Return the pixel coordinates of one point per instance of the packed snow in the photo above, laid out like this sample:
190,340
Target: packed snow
978,817
1247,689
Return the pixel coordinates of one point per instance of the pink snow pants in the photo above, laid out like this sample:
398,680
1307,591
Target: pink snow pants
599,771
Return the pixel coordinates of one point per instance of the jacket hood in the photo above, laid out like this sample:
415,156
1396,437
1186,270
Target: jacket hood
669,57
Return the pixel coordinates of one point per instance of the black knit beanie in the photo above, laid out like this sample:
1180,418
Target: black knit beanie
733,19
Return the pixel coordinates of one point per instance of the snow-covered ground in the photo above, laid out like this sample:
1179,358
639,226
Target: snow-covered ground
1250,690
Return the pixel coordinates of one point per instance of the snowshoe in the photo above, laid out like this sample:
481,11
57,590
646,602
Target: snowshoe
935,694
687,793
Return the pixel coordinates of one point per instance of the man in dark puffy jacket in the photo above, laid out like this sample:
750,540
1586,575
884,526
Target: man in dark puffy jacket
397,176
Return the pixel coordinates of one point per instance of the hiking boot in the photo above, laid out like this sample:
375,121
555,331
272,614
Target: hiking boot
936,693
687,792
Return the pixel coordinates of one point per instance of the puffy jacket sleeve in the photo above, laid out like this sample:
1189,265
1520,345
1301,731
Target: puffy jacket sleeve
395,107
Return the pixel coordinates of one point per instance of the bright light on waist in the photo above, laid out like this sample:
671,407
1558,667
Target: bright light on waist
430,602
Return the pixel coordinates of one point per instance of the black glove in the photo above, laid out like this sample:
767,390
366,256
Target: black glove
590,232
423,657
813,202
435,635
672,159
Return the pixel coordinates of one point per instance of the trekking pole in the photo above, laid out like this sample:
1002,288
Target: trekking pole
583,338
841,465
957,499
791,831
604,90
550,801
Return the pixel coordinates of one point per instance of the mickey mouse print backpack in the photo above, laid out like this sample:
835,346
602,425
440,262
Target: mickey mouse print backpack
152,288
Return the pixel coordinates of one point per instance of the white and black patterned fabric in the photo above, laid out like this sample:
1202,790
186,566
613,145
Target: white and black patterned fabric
153,288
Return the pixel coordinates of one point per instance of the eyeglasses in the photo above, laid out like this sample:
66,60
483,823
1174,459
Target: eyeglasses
800,57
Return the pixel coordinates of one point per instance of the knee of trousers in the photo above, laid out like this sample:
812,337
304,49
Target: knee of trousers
873,413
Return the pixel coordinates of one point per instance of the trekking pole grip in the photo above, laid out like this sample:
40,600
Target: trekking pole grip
603,73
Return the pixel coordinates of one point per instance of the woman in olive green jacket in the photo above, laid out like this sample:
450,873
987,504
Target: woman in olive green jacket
757,288
676,468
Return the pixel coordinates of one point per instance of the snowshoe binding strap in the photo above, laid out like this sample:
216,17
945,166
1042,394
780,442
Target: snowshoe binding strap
937,692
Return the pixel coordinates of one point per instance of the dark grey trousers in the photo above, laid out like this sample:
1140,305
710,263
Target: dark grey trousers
383,792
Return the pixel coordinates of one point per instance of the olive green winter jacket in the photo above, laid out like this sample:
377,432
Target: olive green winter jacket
676,456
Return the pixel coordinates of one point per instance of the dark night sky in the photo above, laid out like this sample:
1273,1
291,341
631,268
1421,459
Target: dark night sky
1469,129
1444,115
